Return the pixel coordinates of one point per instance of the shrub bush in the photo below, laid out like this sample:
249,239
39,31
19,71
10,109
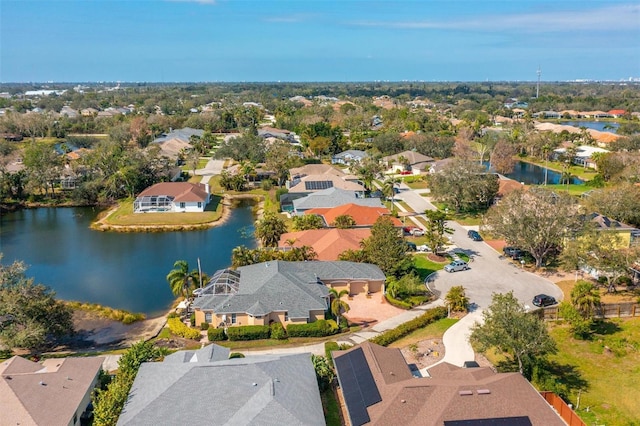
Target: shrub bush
204,326
397,303
318,328
402,330
178,328
192,319
279,193
328,348
216,334
248,332
277,331
233,355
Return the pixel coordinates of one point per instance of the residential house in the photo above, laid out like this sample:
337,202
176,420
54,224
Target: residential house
379,389
317,177
88,112
628,235
173,197
279,291
364,216
266,132
54,392
328,243
69,112
349,156
616,113
327,198
583,155
505,187
183,134
205,387
408,161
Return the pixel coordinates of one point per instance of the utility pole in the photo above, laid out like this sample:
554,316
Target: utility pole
539,72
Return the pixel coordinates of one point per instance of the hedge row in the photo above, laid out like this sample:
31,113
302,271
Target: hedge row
402,330
179,328
318,328
216,334
398,303
248,332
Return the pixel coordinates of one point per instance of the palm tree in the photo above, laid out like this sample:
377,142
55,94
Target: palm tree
180,279
389,189
456,299
338,307
585,298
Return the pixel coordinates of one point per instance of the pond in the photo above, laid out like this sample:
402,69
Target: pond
122,270
602,126
532,174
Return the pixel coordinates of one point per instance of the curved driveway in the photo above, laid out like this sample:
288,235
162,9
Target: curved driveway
489,272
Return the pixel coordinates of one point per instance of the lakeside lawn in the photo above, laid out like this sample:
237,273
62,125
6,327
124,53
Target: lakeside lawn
609,363
124,216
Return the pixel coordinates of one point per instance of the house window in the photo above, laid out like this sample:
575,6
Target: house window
182,205
199,204
207,317
286,316
75,418
233,319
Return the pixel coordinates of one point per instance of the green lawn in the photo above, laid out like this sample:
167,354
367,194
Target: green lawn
331,408
425,266
435,330
572,189
417,185
124,215
610,364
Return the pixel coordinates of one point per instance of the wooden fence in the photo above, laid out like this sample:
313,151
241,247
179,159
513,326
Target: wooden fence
561,407
605,310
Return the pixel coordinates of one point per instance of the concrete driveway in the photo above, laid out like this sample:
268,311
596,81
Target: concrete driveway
489,272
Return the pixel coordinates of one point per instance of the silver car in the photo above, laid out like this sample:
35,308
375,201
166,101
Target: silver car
457,265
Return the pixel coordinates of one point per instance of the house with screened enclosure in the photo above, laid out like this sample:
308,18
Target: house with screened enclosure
173,197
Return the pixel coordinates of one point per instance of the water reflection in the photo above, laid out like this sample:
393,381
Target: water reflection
122,270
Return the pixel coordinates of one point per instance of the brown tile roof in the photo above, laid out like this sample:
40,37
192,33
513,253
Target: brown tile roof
315,169
45,394
506,186
364,216
181,191
327,243
452,393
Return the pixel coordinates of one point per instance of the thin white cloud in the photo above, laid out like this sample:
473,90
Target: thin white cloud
613,18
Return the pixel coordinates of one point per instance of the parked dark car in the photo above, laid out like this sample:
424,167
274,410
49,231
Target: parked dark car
513,252
411,246
542,300
474,235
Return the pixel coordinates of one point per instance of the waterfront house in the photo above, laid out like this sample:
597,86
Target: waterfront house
54,392
279,291
363,216
328,243
205,387
173,197
378,388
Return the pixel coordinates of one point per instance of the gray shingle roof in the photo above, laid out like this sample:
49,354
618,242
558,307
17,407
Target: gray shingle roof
271,287
183,134
333,197
210,353
259,390
279,286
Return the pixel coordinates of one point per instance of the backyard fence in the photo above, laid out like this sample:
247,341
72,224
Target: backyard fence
605,310
564,410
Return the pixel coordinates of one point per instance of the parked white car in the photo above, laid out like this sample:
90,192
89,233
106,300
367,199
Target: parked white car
423,248
456,265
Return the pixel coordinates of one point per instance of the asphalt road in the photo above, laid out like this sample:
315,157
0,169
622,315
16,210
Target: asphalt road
489,272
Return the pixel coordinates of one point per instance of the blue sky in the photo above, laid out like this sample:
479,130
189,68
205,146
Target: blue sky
305,40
